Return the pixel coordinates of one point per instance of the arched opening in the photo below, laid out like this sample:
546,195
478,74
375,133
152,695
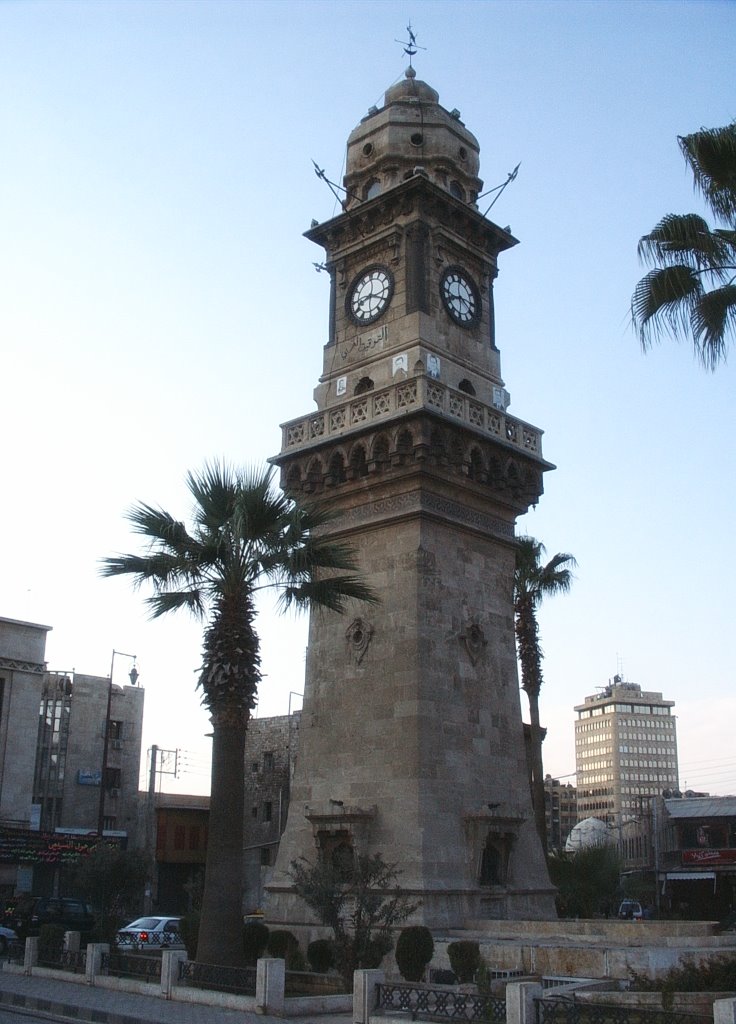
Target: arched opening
358,462
466,386
363,385
336,472
475,465
491,864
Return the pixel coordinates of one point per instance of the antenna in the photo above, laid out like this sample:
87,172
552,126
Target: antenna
499,188
410,47
319,171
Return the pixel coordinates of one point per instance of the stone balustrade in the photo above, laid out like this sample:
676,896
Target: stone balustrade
410,394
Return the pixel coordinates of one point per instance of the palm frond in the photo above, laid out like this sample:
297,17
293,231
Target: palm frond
663,302
711,319
711,156
161,569
171,601
687,239
330,593
161,528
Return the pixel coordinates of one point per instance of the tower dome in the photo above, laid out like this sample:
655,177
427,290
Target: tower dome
412,133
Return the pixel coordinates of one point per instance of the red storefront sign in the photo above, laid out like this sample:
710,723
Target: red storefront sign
709,857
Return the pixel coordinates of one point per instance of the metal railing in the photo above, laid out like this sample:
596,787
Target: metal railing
74,961
570,1011
130,965
424,1003
237,980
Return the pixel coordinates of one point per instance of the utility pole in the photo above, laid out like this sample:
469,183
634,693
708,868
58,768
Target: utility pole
150,832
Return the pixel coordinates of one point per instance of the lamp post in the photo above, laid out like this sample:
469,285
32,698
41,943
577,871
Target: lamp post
133,676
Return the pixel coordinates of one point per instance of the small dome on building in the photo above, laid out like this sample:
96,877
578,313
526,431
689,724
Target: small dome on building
589,832
412,133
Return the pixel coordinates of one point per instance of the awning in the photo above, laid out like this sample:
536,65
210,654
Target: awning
689,876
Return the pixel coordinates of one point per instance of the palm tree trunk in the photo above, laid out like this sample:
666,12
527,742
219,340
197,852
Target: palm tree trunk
221,928
540,817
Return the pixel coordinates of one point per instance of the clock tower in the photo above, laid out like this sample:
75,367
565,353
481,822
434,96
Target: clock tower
411,742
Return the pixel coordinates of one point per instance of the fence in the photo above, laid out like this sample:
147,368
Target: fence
570,1011
439,1003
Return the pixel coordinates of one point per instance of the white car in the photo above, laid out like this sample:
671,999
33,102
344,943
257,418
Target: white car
150,933
7,935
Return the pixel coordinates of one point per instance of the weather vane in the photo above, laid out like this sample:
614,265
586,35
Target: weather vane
410,47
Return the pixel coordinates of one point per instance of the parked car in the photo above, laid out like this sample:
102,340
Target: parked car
150,933
631,910
7,935
75,915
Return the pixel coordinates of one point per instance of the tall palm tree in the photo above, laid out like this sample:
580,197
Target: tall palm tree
533,581
693,286
246,536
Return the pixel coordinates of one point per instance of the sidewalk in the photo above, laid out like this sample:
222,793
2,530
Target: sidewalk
104,1006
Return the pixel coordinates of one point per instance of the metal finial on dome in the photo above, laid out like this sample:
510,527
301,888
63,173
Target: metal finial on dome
410,49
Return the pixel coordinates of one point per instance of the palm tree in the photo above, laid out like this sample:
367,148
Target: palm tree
533,581
246,536
693,286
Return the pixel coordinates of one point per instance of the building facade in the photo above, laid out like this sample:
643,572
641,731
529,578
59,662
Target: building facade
70,748
625,751
411,741
560,811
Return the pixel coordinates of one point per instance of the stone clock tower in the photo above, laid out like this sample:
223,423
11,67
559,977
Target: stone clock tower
411,739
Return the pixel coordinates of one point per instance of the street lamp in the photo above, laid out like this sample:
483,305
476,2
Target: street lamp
133,676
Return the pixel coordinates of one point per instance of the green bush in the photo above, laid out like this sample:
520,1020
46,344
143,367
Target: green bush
321,955
189,931
691,975
464,960
285,945
255,940
414,950
50,943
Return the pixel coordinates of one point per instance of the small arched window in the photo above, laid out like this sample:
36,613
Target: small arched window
363,385
466,386
372,189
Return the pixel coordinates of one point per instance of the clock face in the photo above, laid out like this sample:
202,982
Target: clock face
460,296
370,294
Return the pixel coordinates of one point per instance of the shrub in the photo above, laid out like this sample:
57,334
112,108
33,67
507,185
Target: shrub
414,950
464,960
691,975
189,931
321,956
285,945
255,940
50,943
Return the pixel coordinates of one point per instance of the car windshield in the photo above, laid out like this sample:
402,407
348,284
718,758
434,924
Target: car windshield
145,922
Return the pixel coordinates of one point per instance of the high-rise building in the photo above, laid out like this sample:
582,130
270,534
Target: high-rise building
625,751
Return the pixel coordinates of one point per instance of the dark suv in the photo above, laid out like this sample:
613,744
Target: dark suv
74,915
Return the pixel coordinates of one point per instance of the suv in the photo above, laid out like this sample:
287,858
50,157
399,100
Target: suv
72,914
631,910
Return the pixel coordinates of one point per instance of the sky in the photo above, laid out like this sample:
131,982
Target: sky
159,307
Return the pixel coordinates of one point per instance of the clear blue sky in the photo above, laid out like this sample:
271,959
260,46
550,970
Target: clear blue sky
158,306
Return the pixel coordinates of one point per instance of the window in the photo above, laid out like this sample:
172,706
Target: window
113,778
194,837
179,837
109,824
254,766
115,730
267,810
268,761
254,811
